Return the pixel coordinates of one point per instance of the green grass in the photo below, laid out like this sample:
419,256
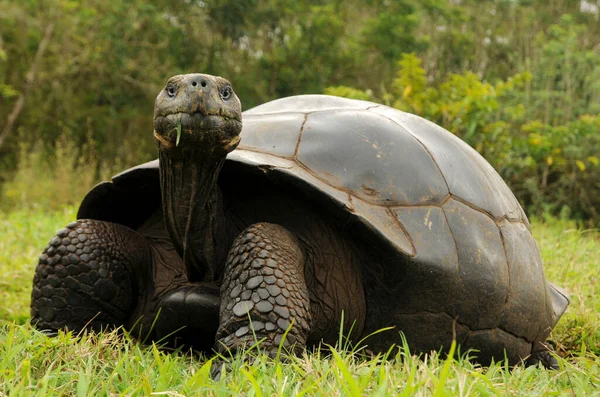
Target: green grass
109,364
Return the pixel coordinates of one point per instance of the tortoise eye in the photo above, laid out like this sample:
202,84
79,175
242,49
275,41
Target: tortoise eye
226,92
171,91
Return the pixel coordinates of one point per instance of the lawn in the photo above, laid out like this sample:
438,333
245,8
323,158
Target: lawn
110,364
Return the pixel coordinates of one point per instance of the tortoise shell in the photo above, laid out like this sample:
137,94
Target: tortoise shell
469,256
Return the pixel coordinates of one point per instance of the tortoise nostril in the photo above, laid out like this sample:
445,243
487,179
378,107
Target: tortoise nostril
194,84
203,83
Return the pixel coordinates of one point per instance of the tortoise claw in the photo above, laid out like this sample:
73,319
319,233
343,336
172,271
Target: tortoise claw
543,354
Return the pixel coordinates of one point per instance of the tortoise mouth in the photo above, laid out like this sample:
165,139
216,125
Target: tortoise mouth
197,128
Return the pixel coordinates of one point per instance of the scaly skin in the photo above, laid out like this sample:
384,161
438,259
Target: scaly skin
89,276
264,292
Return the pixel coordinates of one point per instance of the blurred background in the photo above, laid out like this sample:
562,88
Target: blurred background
519,80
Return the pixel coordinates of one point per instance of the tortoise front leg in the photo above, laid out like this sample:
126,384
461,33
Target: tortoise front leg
89,276
264,292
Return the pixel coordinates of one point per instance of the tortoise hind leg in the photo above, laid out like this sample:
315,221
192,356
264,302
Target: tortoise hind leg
264,292
88,277
542,353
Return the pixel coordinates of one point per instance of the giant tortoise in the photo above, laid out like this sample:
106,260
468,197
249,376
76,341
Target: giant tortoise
330,214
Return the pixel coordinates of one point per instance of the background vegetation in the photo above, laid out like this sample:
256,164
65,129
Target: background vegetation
517,79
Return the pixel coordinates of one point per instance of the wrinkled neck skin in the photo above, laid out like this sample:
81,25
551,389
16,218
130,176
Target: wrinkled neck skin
193,209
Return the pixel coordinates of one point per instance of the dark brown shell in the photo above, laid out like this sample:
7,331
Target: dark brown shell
423,191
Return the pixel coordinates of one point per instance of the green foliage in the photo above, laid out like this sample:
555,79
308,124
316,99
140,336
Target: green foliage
558,167
568,83
391,31
7,92
409,85
349,92
108,364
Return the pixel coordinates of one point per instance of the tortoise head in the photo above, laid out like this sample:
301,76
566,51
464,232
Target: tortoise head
199,112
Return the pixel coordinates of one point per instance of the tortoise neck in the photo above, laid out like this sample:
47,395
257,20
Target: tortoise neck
193,210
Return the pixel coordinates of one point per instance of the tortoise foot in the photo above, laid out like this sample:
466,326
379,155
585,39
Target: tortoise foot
83,278
543,354
264,296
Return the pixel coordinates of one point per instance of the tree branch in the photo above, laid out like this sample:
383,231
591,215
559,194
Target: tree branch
29,78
